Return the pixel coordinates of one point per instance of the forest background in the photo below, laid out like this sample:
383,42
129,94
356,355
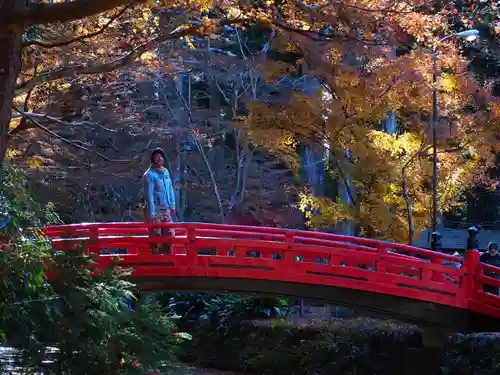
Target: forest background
286,113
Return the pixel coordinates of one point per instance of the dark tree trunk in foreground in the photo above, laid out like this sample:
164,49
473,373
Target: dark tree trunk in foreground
10,66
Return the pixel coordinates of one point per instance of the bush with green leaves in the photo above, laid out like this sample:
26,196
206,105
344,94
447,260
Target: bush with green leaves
477,353
250,335
222,309
344,346
78,319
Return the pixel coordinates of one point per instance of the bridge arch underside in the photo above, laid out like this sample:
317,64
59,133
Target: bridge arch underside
437,321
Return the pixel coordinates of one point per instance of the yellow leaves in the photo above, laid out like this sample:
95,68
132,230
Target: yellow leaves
148,57
180,28
401,147
35,163
302,117
381,140
149,3
156,21
14,123
288,142
450,83
422,26
12,154
377,173
189,43
291,47
322,212
79,29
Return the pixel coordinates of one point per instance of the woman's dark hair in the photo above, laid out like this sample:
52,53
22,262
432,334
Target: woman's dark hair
158,151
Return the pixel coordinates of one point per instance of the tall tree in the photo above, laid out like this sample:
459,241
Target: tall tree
338,21
361,84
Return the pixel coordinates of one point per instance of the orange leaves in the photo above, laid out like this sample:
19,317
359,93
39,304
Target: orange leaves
495,108
208,27
422,26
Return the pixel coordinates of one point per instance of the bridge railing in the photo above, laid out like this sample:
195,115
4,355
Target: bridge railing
485,295
213,250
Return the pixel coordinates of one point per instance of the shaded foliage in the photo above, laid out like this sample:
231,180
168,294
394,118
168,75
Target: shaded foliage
222,309
477,353
77,318
274,347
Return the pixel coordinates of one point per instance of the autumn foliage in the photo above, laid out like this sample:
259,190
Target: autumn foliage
368,59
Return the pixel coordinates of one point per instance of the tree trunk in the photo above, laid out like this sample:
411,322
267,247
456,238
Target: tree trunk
10,66
409,208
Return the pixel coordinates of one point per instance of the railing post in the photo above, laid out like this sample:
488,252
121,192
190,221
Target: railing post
437,276
289,239
91,245
381,263
191,237
191,234
471,268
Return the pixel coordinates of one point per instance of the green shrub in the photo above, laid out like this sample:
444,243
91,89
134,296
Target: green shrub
356,346
80,320
474,354
340,346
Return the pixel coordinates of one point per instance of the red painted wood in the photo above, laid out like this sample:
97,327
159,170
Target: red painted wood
291,256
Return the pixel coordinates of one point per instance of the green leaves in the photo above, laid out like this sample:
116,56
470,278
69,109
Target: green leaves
97,322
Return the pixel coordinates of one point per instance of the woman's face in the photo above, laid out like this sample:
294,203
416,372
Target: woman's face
158,160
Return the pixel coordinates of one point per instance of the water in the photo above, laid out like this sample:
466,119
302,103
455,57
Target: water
11,360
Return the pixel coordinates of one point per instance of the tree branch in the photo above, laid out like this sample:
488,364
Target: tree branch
81,37
77,145
41,13
387,9
76,70
43,116
318,36
98,68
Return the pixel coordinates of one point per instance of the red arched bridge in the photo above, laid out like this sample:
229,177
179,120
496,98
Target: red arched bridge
392,280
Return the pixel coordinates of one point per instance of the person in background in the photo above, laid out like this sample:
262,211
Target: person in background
492,258
159,198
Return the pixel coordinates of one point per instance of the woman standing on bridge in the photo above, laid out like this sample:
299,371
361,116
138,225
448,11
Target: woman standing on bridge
159,198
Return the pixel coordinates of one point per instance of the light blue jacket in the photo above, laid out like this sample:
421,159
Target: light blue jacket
158,191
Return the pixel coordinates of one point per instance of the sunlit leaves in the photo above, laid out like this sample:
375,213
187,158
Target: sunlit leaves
35,163
349,120
351,48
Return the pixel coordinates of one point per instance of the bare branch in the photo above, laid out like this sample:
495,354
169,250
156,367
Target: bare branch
98,68
44,116
42,13
77,144
81,37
